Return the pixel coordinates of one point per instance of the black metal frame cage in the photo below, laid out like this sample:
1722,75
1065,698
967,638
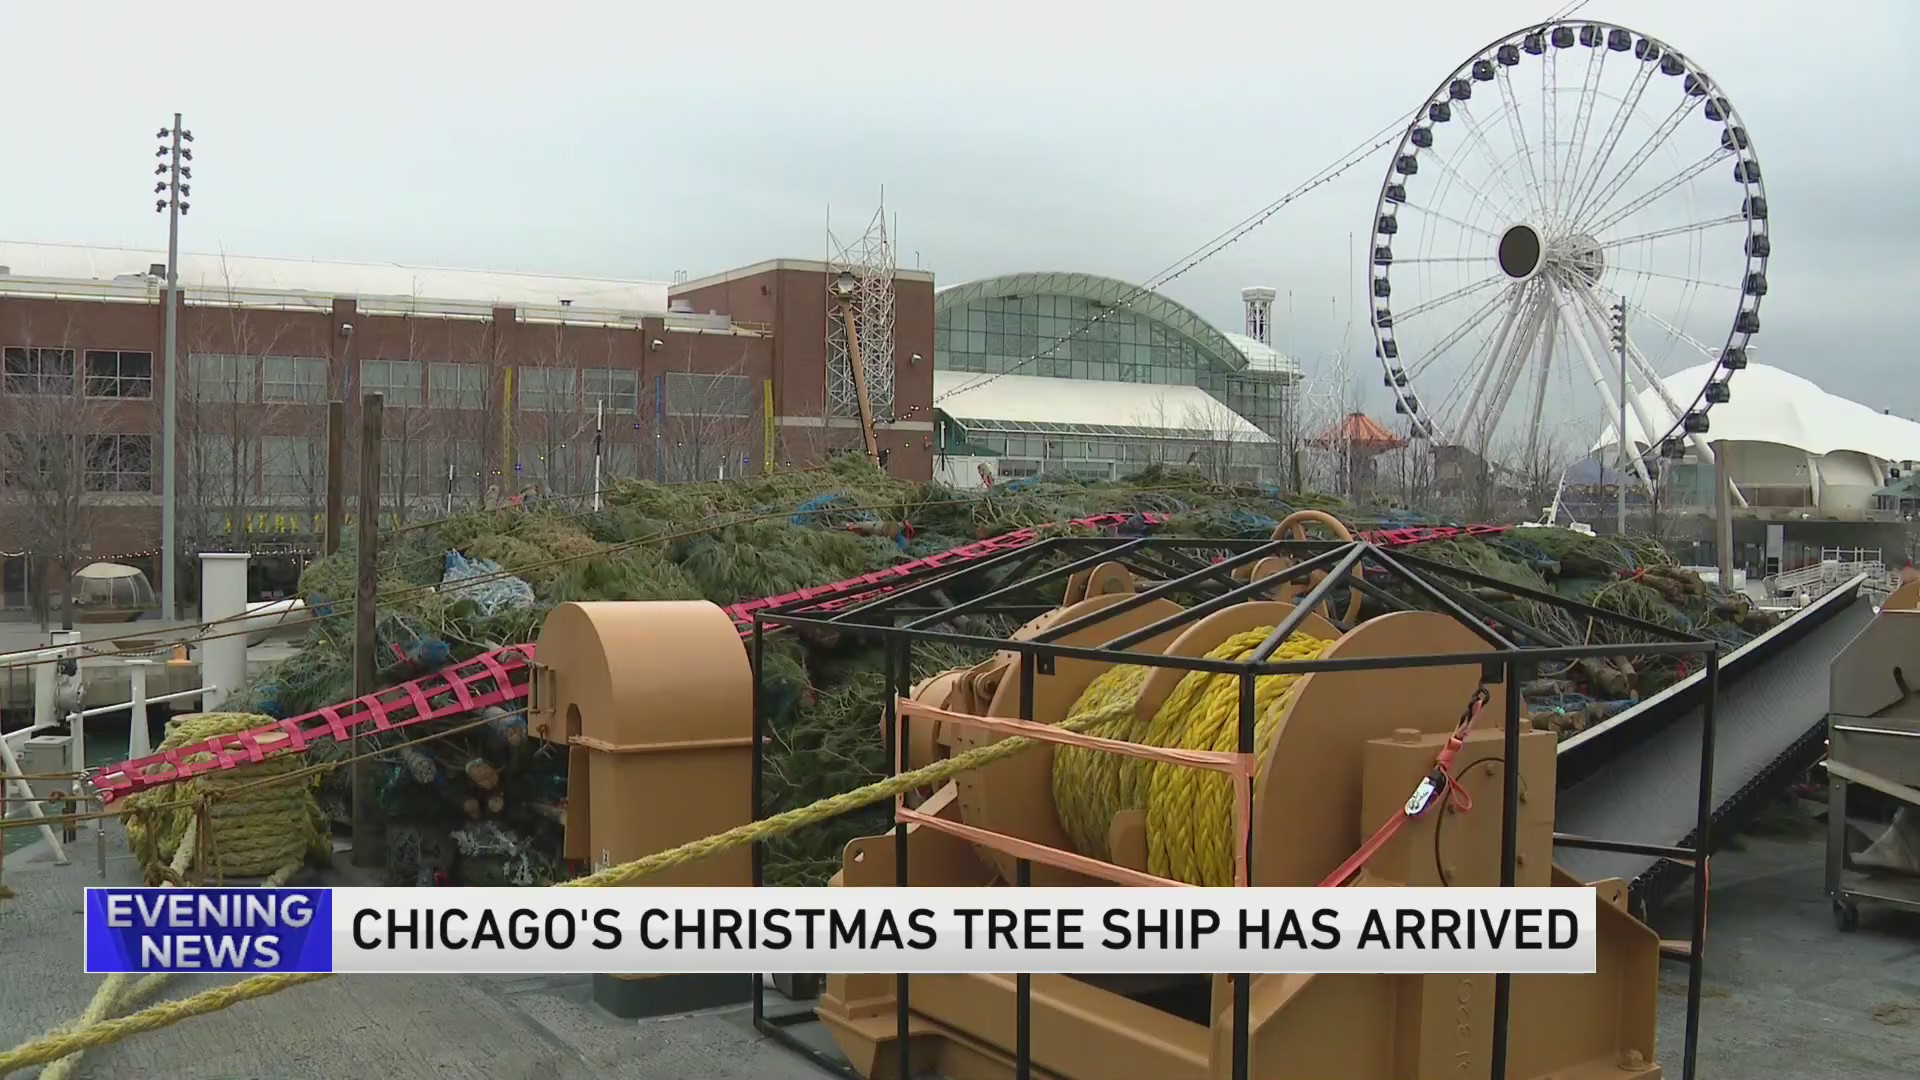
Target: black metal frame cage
921,607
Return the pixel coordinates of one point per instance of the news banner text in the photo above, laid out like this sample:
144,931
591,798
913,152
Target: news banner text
936,930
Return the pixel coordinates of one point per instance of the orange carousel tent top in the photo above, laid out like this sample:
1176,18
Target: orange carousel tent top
1360,431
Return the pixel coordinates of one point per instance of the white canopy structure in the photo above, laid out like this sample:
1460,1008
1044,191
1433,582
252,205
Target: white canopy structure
1769,405
1089,407
1790,442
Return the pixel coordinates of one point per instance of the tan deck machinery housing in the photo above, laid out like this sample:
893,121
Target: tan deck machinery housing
1340,752
653,702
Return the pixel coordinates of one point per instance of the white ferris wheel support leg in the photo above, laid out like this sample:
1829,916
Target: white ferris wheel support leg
1594,309
1519,350
1599,327
1605,386
1549,329
1472,412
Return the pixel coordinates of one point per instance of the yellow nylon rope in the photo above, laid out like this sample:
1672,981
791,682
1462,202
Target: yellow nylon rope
1189,811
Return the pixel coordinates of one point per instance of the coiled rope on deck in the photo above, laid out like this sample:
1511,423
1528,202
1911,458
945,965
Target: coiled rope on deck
254,826
1189,811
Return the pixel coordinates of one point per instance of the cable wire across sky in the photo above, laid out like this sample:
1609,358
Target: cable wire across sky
1365,149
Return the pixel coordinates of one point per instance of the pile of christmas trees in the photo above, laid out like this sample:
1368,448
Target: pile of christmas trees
484,803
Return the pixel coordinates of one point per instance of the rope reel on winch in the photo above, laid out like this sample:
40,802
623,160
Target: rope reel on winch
1168,820
1354,777
1188,812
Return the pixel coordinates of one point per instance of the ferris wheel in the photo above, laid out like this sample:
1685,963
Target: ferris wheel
1576,207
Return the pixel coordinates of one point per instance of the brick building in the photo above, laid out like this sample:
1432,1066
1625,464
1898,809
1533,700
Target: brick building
494,383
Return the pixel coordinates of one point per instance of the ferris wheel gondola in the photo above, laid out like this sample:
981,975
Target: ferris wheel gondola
1531,230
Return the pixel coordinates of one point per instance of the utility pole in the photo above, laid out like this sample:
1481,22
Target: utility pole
599,440
367,836
336,475
1626,464
1723,514
173,189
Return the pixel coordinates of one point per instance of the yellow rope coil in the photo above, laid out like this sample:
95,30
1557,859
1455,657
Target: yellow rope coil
1189,811
253,828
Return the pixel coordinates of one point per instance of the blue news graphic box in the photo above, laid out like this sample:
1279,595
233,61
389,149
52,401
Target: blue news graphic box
145,931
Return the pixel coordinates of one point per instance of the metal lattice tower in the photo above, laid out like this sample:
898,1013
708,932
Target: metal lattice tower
869,257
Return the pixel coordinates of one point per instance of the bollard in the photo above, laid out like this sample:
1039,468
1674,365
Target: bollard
45,672
70,697
223,595
139,741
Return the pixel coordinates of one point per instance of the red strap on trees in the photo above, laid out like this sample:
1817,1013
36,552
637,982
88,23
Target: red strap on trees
492,678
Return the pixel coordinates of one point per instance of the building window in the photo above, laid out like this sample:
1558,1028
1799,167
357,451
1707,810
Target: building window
399,380
222,468
119,462
119,374
693,394
619,389
37,461
291,465
461,457
39,371
557,469
294,378
456,386
548,390
403,461
221,377
619,459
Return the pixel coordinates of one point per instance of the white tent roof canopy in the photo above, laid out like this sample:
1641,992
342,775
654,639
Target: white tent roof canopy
1768,405
983,399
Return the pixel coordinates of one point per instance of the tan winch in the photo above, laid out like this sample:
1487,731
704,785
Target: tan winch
1339,753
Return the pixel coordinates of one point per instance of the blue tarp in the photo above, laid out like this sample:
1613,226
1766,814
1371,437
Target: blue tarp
498,593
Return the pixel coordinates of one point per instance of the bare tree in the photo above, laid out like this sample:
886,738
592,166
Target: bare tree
1158,451
1538,476
468,421
252,427
552,427
59,459
1317,411
713,422
1407,473
408,426
1225,453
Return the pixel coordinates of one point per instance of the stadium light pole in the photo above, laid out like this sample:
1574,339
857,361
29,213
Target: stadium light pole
1620,344
173,191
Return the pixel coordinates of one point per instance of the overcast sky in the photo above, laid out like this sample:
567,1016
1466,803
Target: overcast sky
638,139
